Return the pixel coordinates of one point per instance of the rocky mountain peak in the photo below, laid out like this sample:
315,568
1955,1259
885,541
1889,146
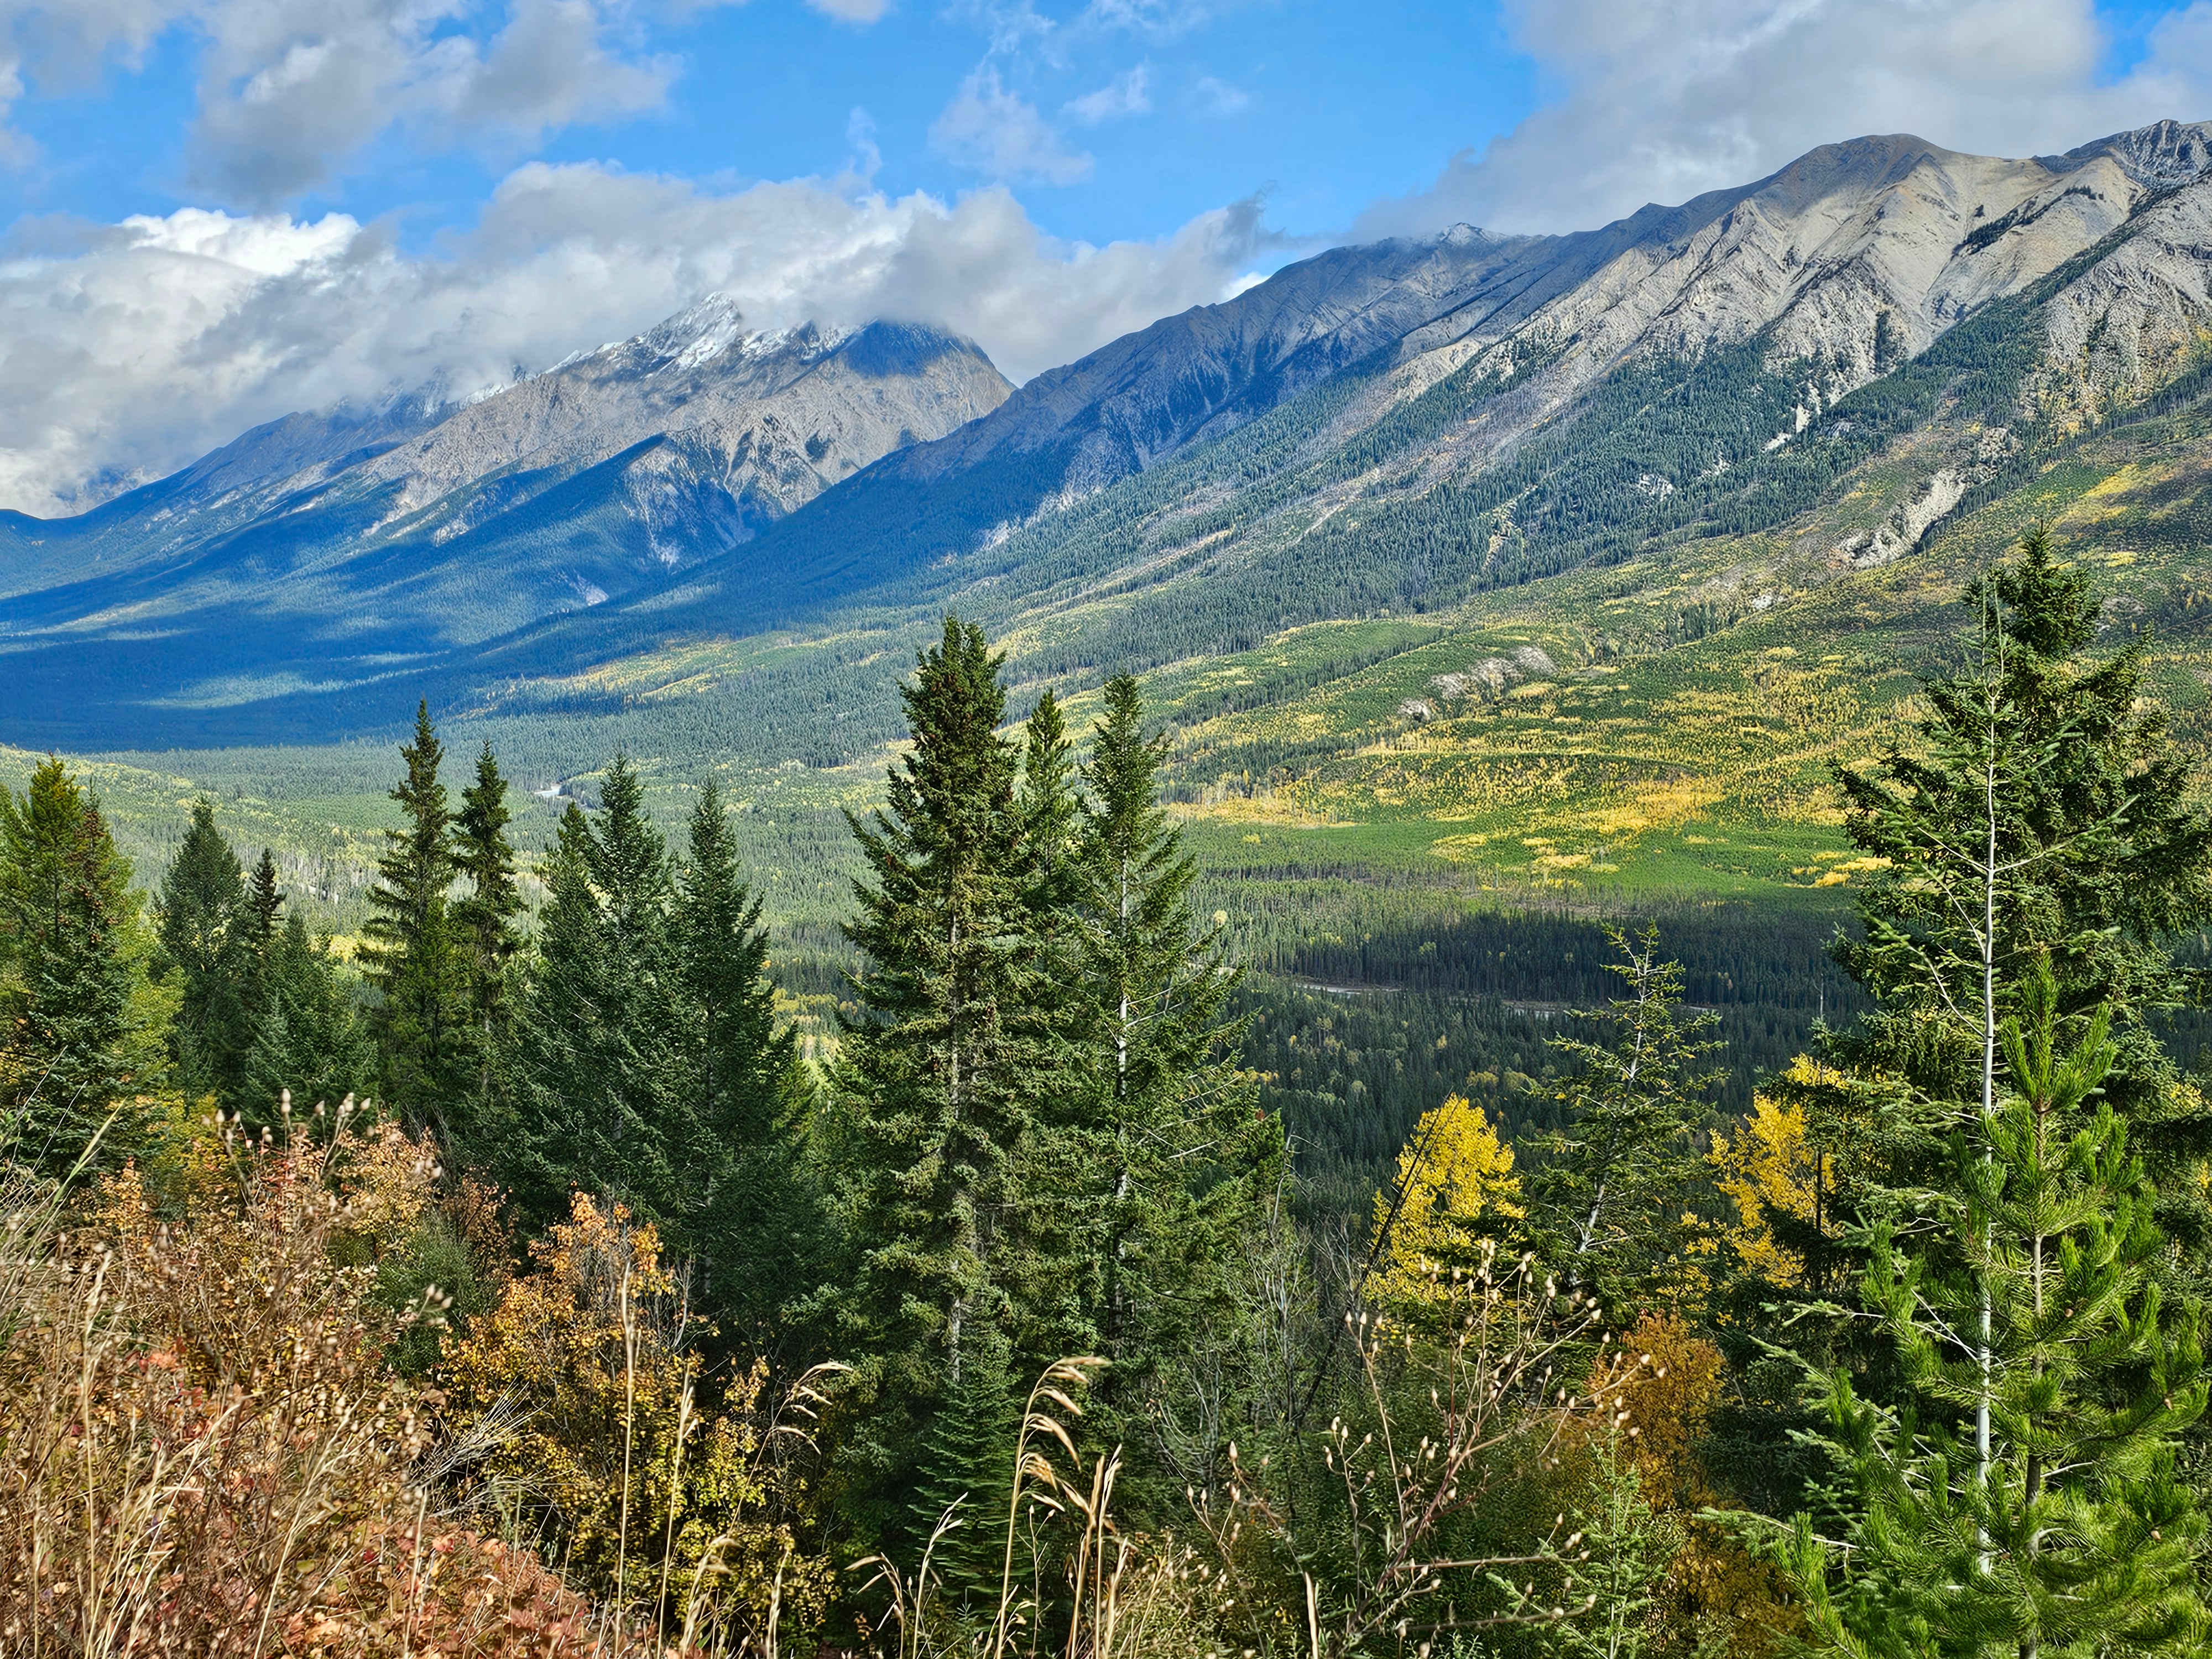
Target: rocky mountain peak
699,333
711,329
2161,155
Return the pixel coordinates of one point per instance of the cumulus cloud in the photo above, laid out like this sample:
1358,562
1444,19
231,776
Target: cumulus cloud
126,350
990,130
1662,102
291,89
64,43
1124,95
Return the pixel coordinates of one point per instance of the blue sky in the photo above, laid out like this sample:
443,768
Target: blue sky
217,210
1321,107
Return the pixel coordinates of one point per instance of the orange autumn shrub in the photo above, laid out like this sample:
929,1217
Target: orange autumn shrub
445,1590
1652,1398
202,1450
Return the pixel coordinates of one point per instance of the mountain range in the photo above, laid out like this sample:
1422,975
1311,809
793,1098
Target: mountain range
328,547
709,539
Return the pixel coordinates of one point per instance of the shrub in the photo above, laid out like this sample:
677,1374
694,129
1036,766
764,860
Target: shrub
202,1450
584,1387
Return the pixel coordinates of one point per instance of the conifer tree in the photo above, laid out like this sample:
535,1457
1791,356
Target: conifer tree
2041,817
940,1078
1628,1547
308,1038
201,898
1607,1203
489,938
965,1470
2024,1497
84,1028
2037,848
757,1222
485,915
264,901
1048,810
413,956
2038,823
1175,1139
600,1072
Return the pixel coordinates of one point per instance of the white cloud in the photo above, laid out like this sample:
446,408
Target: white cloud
852,11
64,44
990,130
1662,102
1163,19
129,350
1217,97
289,90
1124,95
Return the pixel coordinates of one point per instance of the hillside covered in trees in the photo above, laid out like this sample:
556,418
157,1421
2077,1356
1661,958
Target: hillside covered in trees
530,1276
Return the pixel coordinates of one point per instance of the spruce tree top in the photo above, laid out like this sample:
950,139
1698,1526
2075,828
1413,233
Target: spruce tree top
265,899
199,894
417,861
2099,855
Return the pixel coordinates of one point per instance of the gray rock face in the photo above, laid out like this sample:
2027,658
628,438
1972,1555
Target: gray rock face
1207,370
770,420
1851,260
600,476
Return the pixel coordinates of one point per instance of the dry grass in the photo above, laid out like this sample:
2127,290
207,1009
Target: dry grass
205,1451
202,1450
1113,1596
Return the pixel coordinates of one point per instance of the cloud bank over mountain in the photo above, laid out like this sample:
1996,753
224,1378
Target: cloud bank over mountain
1660,103
127,349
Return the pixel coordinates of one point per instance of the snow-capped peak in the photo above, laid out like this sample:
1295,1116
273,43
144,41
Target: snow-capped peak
702,332
698,334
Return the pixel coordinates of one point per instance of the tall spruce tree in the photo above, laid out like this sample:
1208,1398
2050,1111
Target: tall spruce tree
2023,1497
486,914
2038,847
409,946
308,1038
264,905
965,1471
487,926
1607,1203
601,1074
84,1028
1048,810
941,1077
757,1221
2041,819
196,916
1175,1147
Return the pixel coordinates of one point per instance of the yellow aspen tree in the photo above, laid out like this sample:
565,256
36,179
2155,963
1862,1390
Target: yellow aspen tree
1455,1183
1770,1166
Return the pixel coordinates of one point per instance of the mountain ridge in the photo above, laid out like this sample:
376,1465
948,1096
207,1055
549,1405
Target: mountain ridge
719,430
1372,431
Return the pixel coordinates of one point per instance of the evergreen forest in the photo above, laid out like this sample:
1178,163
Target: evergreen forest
1021,1257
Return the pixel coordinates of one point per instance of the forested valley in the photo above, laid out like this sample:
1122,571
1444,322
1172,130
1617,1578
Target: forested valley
526,1280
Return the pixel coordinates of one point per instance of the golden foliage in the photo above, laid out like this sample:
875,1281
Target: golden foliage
1453,1173
1771,1163
1653,1400
585,1385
